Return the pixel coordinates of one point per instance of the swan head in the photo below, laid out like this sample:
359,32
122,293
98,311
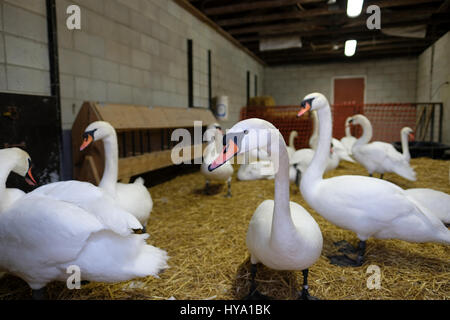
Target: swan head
348,122
408,132
245,136
358,119
22,163
95,131
212,130
313,101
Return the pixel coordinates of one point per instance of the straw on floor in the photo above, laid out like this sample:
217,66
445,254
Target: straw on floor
205,237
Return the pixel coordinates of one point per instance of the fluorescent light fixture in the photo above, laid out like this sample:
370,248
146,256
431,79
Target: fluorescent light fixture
350,47
354,8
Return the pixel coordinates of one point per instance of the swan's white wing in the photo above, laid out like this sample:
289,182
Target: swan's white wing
436,201
375,204
93,200
341,151
38,229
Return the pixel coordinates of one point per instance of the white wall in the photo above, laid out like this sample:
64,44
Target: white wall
389,80
433,71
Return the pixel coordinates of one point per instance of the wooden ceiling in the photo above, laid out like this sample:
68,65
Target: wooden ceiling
324,27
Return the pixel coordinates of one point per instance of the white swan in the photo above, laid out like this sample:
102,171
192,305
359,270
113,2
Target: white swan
40,237
132,197
291,147
8,160
291,151
259,167
282,234
211,151
348,141
369,207
303,157
315,134
435,201
406,133
379,156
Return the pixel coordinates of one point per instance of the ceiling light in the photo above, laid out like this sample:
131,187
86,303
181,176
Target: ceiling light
354,8
350,47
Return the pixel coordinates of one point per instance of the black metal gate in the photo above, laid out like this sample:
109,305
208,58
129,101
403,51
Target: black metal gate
32,124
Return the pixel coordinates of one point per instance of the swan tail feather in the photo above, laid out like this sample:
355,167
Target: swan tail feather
406,172
150,261
139,180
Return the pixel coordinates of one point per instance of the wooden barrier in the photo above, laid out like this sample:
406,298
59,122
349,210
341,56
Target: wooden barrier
143,135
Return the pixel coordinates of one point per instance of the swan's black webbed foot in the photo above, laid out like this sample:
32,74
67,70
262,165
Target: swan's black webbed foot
346,261
39,294
255,294
304,294
345,247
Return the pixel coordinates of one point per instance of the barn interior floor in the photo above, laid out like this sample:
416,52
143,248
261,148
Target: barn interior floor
205,238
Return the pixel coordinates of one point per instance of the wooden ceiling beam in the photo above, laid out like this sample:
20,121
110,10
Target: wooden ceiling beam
315,24
363,47
255,5
312,13
339,31
340,57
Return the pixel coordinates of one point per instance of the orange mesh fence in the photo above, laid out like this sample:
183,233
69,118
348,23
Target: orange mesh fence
387,120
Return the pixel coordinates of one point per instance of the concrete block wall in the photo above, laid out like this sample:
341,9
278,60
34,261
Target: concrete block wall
24,63
432,72
136,52
387,80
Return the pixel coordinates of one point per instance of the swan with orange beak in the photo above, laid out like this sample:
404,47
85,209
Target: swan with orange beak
212,151
282,235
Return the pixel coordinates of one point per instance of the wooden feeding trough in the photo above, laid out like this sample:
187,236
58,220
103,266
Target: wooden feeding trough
143,134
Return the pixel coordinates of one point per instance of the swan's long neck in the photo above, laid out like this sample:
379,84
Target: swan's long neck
217,141
405,146
291,138
111,172
319,162
315,123
347,131
367,132
5,170
283,228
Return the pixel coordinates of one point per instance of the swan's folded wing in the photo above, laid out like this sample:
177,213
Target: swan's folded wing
53,231
380,200
93,200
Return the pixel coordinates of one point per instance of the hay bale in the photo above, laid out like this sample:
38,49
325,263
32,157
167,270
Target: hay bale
205,237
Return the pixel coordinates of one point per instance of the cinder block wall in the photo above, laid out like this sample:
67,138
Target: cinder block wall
24,63
391,80
432,73
126,52
136,52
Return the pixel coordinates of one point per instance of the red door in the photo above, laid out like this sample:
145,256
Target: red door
348,100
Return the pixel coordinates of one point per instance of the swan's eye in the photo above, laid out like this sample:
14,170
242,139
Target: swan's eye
245,131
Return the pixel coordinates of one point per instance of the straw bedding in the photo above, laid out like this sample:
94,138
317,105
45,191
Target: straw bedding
205,237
